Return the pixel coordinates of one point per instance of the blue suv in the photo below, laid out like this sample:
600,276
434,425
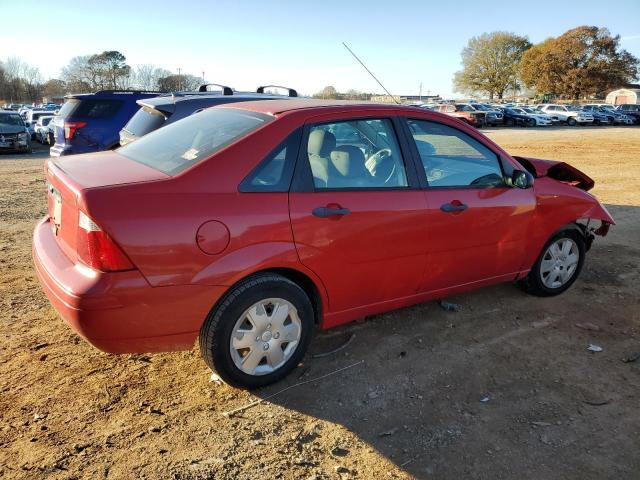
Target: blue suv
91,122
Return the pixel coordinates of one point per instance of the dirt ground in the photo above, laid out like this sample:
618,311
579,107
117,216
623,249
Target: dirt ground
412,408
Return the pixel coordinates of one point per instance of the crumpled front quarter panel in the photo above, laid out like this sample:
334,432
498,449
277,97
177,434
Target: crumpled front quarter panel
557,205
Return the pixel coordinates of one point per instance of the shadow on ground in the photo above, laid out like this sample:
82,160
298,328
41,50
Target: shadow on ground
504,388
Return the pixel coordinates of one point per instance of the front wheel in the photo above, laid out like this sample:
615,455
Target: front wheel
558,266
571,122
259,331
531,122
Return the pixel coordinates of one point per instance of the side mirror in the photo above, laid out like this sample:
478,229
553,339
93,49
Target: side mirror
521,179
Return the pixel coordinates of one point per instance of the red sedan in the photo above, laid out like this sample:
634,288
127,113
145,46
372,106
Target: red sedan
248,224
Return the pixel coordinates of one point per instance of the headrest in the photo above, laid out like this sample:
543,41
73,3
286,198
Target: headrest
321,143
425,148
348,160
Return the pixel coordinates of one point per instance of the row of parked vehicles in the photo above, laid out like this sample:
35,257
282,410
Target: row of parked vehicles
30,119
482,114
108,119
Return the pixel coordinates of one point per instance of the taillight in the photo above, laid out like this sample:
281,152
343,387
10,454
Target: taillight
70,129
96,249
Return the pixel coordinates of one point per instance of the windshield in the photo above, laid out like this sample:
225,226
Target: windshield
180,145
11,119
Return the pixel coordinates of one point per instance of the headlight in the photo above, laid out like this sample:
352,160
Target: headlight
23,136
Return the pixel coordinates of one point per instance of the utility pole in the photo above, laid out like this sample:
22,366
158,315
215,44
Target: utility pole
420,91
203,77
179,79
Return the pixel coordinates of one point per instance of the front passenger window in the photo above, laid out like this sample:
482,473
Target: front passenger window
355,154
451,158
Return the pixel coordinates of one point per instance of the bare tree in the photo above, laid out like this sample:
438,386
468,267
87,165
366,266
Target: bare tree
146,77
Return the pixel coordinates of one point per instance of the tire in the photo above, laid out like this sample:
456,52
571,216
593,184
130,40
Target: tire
571,122
540,284
232,316
509,122
531,122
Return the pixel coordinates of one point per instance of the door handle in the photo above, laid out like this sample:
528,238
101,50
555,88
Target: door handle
453,207
324,212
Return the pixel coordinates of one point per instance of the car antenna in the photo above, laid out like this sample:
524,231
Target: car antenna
369,71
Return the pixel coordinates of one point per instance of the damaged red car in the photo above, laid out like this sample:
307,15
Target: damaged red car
248,226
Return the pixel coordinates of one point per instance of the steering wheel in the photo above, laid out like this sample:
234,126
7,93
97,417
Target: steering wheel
376,160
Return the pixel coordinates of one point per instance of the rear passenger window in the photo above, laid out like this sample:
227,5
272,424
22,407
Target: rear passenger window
452,158
97,108
355,154
273,174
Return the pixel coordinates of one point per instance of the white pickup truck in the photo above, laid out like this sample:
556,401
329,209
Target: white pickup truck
566,113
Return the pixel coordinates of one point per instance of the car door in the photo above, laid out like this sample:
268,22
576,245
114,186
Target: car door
477,223
357,212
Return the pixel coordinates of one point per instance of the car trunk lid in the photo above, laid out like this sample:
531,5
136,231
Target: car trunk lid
67,179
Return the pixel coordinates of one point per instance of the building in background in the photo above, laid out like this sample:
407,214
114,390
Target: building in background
621,96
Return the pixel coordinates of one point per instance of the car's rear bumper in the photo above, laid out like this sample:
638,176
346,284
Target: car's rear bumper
119,312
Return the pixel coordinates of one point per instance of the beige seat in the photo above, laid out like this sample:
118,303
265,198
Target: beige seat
320,145
347,168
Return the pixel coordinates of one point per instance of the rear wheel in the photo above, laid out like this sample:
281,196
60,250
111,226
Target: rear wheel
509,122
558,266
259,331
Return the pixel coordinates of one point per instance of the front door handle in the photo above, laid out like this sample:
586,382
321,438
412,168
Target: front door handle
453,207
324,212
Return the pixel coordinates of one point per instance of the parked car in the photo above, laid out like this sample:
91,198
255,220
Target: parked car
568,114
599,117
14,134
32,118
493,116
515,116
615,116
630,109
92,122
165,109
245,225
541,118
527,117
464,112
42,128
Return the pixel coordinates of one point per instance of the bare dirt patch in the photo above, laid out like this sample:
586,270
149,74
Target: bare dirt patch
413,408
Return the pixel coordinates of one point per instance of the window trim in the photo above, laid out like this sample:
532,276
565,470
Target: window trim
424,182
292,144
303,178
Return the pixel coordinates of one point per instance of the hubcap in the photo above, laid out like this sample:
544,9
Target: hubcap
265,336
559,263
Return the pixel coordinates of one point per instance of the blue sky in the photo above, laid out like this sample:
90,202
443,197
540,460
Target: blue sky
296,43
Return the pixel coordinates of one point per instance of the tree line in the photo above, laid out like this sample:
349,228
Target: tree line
582,62
20,82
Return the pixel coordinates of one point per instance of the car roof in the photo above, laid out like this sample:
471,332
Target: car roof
277,107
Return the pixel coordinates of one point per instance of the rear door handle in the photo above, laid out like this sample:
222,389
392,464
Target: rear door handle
453,207
324,212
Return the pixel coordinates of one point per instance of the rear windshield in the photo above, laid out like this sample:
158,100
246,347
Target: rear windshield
145,120
187,142
89,108
11,119
36,116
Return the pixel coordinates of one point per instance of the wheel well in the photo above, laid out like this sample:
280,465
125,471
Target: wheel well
304,282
